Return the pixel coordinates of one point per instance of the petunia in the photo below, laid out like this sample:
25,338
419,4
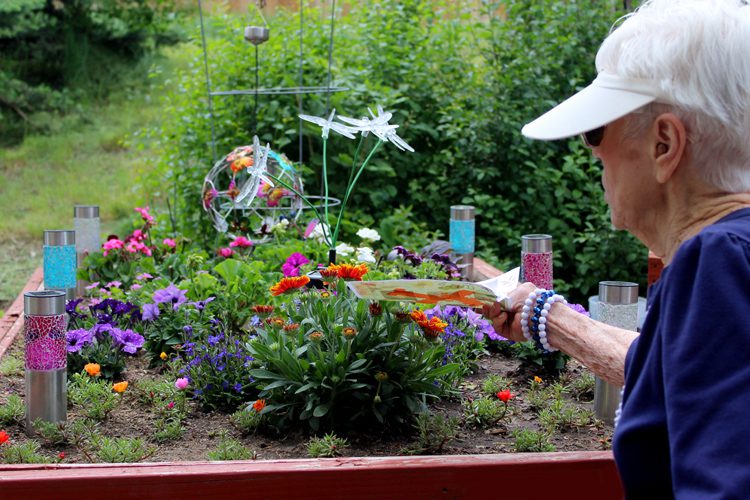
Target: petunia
288,284
78,338
368,234
293,263
129,340
150,312
170,295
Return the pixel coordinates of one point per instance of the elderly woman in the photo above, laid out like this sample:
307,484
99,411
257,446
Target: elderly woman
669,117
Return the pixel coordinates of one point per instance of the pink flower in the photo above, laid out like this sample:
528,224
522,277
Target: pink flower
137,246
147,218
113,244
225,252
293,263
169,242
115,284
144,276
135,286
138,235
242,242
170,405
181,383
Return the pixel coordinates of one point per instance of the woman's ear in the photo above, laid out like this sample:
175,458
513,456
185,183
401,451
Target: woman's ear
670,140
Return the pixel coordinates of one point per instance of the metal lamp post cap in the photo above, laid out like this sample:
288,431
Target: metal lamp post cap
59,237
536,243
462,212
256,34
86,211
618,292
44,303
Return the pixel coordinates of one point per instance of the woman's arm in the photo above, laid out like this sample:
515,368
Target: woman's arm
600,347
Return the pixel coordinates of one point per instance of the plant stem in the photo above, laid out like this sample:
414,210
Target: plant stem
303,198
351,186
325,189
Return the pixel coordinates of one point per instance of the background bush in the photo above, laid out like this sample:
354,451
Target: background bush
461,80
59,52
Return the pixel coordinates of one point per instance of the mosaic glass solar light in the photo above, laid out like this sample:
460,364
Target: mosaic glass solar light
45,355
536,260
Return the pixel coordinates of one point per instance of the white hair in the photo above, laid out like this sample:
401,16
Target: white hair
698,53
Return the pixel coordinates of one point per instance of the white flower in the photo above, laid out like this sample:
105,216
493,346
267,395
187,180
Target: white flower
320,232
280,227
365,254
329,124
344,249
368,234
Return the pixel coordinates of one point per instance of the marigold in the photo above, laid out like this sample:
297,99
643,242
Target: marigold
433,327
93,369
120,387
287,284
259,405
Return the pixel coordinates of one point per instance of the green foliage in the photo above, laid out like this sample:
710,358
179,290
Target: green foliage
562,415
54,52
13,411
11,365
231,449
53,433
22,453
582,387
433,433
461,82
484,411
529,354
338,365
528,440
494,383
94,398
121,450
328,446
246,420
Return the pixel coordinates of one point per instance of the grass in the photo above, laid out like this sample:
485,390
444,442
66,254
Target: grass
94,157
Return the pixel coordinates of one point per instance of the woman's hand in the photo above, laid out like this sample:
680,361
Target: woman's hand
508,322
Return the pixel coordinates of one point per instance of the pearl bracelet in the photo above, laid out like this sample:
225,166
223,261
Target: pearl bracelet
541,301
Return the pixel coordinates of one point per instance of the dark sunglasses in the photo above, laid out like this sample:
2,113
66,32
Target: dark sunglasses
593,138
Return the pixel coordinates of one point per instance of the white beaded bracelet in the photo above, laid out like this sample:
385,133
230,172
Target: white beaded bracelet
543,321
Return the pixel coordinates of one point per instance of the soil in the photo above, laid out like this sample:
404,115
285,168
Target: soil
201,430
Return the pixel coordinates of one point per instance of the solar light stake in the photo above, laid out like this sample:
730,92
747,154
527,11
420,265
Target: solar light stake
462,225
45,354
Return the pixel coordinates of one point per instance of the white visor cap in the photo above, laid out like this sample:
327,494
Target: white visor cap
606,99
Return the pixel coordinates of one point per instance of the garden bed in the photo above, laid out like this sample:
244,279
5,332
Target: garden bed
179,466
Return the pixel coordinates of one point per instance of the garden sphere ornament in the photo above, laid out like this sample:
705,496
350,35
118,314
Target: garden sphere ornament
238,194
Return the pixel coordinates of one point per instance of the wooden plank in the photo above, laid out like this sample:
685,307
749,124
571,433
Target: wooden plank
580,475
484,271
12,322
655,267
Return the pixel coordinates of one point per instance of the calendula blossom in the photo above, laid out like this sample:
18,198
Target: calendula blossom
289,284
120,387
93,369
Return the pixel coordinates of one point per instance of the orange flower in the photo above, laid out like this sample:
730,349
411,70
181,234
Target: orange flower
537,379
329,272
259,405
316,336
241,163
163,356
349,332
262,309
93,369
348,271
120,387
287,284
291,327
431,327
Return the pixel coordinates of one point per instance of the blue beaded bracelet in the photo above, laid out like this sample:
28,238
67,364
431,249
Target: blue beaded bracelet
534,317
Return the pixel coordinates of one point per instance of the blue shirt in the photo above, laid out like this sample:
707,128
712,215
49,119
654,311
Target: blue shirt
684,427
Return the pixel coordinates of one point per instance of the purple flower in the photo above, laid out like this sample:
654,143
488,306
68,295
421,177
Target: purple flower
78,338
99,330
171,295
143,276
293,263
238,387
93,285
150,312
114,284
201,304
128,339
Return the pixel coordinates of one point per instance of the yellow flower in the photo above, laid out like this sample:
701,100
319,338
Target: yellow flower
163,355
120,387
93,369
537,379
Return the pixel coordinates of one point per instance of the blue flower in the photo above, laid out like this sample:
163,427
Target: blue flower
128,339
77,339
150,312
237,387
170,295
